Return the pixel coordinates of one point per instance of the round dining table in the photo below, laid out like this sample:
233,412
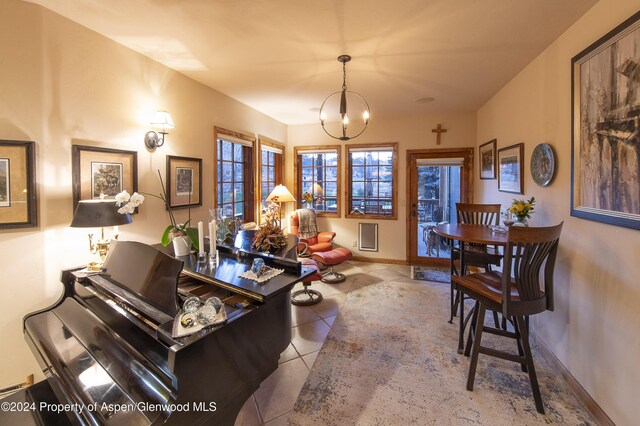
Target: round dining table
474,234
471,233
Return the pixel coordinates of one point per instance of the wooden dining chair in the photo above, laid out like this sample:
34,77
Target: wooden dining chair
478,255
517,296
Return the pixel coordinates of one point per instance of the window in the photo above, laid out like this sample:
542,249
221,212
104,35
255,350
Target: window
234,176
271,168
372,181
318,173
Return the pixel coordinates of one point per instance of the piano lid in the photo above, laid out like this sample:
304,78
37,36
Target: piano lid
146,272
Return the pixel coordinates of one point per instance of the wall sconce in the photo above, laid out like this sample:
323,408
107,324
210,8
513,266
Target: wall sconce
163,121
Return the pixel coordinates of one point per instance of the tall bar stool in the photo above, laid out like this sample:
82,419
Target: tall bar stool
517,297
478,255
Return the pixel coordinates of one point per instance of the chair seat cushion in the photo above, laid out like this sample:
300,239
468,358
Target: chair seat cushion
487,285
333,257
310,263
320,247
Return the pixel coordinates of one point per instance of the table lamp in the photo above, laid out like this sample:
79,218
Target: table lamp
280,194
98,213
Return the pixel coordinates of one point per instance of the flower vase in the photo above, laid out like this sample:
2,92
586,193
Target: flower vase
181,246
308,206
521,221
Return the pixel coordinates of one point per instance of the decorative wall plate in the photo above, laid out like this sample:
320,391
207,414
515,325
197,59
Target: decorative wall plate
543,164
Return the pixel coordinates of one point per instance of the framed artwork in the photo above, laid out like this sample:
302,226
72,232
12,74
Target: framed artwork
488,160
511,162
102,172
17,185
184,181
605,135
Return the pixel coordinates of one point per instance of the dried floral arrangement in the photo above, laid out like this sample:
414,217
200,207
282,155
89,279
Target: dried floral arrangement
270,237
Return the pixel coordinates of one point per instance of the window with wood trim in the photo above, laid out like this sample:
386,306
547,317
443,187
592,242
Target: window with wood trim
271,159
318,174
235,174
372,181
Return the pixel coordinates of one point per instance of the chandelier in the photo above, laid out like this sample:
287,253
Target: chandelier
344,115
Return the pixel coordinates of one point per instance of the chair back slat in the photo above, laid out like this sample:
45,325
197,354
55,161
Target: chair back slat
478,214
529,249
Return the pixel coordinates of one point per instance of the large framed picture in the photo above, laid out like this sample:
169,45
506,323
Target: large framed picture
17,185
488,160
511,163
184,181
605,136
102,172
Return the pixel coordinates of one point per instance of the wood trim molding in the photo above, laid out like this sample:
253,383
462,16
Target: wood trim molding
379,260
279,173
466,194
297,189
217,131
394,181
580,393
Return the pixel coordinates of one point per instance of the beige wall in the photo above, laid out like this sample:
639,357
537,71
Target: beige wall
594,329
61,84
410,133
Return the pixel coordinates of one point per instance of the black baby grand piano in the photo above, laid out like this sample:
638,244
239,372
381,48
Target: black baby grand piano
107,351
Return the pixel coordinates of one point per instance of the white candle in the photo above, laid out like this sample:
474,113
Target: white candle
212,238
200,238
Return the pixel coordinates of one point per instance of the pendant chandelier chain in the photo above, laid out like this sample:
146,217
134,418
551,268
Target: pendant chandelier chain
344,76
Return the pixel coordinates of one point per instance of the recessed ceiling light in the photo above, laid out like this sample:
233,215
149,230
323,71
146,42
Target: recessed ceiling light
424,100
314,109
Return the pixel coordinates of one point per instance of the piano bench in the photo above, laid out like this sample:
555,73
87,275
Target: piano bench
307,296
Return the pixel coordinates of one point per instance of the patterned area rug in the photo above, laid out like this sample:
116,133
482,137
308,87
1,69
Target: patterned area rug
429,273
390,359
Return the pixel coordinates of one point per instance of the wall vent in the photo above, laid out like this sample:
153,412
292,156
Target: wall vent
368,236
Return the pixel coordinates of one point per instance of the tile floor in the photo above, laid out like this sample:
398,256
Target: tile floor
274,400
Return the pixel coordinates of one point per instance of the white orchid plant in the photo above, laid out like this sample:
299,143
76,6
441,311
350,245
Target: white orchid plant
128,203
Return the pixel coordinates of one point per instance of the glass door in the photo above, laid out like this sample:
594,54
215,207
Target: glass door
438,180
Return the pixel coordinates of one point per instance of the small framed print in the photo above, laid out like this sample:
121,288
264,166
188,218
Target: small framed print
102,172
184,181
510,160
488,160
17,185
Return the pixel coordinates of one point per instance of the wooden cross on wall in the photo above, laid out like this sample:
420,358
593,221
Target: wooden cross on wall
439,130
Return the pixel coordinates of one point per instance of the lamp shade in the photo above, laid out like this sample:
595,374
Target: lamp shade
96,213
280,194
163,119
316,189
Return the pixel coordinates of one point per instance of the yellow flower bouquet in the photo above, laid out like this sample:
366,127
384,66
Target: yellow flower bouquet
522,209
308,197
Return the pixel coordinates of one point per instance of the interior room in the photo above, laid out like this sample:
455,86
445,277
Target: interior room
464,102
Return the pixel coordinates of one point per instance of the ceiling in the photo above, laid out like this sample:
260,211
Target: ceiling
279,56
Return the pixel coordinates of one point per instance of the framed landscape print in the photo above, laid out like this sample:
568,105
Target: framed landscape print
184,181
510,163
488,160
102,172
605,136
17,185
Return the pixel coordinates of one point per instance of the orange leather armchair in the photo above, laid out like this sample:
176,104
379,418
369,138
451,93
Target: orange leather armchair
322,241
